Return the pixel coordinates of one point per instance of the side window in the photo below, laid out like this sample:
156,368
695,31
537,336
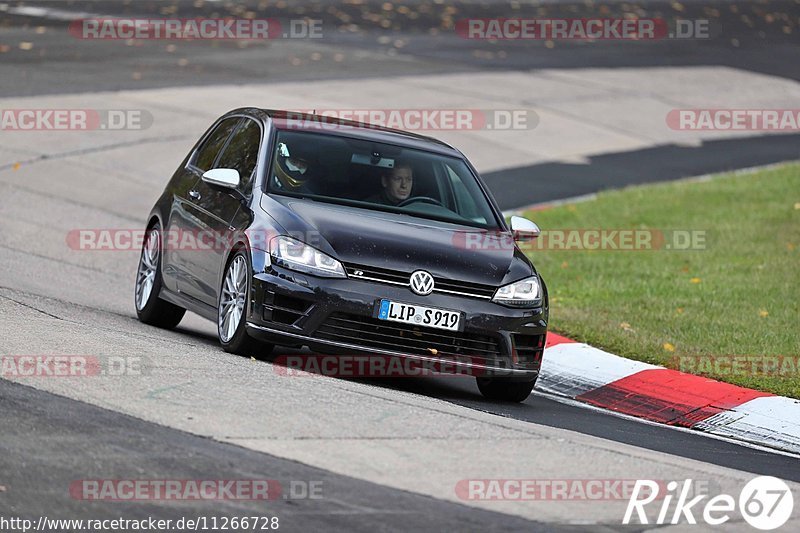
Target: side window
242,152
464,201
208,152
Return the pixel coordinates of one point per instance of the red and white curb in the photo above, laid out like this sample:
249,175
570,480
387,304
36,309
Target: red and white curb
590,375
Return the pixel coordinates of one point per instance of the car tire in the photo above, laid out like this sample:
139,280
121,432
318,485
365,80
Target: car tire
504,389
233,295
149,307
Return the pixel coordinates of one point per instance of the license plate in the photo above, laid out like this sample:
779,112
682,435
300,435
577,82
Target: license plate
419,315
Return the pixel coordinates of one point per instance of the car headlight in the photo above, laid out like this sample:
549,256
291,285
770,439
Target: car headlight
295,255
523,293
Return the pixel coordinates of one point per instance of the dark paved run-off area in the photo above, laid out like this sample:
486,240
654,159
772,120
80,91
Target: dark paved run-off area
545,182
367,39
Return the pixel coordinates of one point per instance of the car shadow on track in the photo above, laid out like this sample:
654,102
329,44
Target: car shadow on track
459,389
456,388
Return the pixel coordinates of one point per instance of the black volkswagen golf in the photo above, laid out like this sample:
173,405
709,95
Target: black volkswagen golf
300,230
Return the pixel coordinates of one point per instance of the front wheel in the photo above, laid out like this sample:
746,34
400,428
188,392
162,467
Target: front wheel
232,310
505,390
149,307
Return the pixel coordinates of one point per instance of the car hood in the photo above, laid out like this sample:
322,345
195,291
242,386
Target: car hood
402,243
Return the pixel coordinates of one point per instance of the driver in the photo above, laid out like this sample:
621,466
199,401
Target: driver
292,171
397,184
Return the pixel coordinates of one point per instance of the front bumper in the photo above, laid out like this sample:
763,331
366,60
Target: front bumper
339,316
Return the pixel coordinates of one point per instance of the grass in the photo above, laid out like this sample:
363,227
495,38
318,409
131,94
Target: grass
738,296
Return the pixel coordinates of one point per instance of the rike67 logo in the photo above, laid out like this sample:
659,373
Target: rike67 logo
765,503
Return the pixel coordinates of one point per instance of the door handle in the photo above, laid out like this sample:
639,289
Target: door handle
195,195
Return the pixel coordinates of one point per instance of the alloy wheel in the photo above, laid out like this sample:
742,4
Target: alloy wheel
231,302
148,264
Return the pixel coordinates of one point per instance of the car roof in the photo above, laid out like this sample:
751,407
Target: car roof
299,121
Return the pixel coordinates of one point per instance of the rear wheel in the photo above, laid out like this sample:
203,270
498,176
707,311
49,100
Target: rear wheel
149,307
232,310
505,390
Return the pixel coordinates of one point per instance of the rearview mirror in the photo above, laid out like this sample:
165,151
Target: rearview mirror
523,229
222,177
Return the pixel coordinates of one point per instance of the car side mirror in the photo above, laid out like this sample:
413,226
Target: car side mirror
523,229
222,177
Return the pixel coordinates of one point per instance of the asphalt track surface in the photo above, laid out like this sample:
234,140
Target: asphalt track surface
49,440
61,427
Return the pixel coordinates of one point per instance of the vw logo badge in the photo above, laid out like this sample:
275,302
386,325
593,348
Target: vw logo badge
421,282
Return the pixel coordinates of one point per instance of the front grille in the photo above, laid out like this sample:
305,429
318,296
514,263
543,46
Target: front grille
373,333
396,277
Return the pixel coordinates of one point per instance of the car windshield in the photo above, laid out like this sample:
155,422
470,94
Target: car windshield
378,176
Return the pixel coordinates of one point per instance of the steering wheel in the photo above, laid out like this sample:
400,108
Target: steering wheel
426,199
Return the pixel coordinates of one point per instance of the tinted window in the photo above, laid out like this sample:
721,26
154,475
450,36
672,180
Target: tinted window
242,152
211,147
379,176
463,198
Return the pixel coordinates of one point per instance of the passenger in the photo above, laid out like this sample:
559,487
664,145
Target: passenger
292,172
